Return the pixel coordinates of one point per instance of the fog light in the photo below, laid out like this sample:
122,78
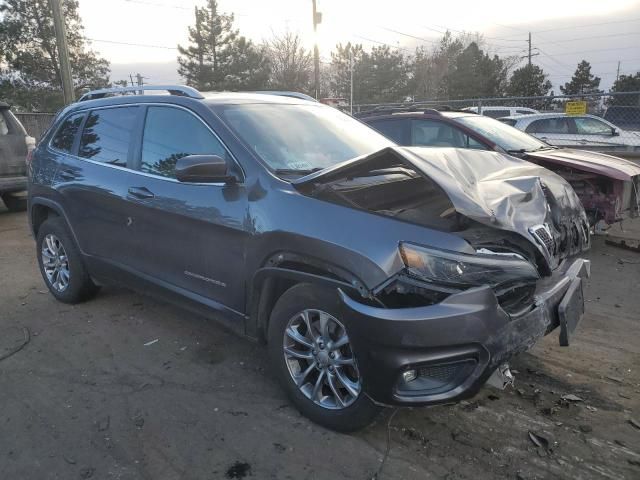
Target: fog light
409,376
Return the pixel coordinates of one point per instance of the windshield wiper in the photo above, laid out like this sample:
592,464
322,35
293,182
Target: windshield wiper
518,150
296,171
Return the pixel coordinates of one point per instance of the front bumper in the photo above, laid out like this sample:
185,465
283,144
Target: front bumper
458,342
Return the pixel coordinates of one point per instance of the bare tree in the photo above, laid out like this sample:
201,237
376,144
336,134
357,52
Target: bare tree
291,64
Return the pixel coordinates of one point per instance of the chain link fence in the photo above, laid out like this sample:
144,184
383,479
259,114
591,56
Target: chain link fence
35,123
603,122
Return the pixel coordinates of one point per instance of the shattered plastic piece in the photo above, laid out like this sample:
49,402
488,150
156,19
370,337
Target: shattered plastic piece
151,342
539,441
502,377
572,398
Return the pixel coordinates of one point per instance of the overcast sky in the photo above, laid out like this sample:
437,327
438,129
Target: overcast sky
563,31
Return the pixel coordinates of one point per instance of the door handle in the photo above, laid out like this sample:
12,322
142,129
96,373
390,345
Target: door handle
140,192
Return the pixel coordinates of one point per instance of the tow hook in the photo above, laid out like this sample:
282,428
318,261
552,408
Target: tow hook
501,377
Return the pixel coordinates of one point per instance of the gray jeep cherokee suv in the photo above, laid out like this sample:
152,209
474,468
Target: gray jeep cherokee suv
377,274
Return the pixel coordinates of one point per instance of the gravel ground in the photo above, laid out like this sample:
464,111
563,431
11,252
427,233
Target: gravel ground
86,398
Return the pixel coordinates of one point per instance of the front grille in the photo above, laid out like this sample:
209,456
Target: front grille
543,235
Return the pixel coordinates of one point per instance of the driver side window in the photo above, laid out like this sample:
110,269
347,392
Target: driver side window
591,126
172,133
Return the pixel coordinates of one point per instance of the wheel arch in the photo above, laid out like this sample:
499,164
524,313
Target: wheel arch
282,271
42,208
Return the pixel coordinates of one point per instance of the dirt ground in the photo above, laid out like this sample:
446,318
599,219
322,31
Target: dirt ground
86,398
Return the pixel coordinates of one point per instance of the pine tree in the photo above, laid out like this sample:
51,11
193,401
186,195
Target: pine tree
218,57
31,79
582,81
528,81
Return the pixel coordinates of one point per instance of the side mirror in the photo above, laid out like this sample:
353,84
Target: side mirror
203,169
614,132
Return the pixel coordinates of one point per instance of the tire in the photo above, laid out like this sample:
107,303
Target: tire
344,413
15,203
53,234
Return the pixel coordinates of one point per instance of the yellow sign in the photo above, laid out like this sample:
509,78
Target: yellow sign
575,108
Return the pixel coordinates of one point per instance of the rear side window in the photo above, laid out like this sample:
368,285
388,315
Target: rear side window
172,133
524,112
429,133
549,125
508,121
67,132
107,134
396,130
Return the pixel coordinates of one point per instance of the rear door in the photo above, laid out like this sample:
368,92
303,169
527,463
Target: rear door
192,236
93,178
556,131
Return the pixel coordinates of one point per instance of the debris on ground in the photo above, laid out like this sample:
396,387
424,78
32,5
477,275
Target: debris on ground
571,398
540,442
151,342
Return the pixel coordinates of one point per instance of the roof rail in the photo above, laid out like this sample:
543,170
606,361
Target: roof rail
284,93
180,90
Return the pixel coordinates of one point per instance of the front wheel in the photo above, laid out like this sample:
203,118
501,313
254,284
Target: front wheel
314,359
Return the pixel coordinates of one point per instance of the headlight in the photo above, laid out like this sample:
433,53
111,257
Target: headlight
464,270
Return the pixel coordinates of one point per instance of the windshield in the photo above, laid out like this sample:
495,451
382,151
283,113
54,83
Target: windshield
301,137
505,136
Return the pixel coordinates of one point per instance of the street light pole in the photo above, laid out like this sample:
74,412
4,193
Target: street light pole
63,52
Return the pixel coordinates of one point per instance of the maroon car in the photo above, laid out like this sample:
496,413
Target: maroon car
608,186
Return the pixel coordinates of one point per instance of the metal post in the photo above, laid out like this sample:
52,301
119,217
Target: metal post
63,52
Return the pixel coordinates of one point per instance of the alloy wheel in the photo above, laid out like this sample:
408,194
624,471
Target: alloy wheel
55,262
320,359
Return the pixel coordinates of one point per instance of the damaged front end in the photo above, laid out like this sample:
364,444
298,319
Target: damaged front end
437,329
511,212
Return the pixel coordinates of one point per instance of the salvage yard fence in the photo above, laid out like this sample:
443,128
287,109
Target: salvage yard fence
621,109
35,123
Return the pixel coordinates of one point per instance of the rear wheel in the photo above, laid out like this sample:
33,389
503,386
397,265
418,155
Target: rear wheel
313,357
15,202
60,263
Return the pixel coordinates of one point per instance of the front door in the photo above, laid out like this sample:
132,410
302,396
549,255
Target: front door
191,236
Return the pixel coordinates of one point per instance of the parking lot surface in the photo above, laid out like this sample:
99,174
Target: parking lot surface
126,387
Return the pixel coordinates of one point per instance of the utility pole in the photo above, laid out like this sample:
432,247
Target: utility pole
131,78
140,79
530,54
63,52
618,71
317,18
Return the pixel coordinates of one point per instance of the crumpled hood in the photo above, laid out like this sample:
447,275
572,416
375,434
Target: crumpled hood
499,190
595,162
491,188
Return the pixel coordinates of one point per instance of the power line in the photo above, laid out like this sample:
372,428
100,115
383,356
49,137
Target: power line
131,44
588,38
